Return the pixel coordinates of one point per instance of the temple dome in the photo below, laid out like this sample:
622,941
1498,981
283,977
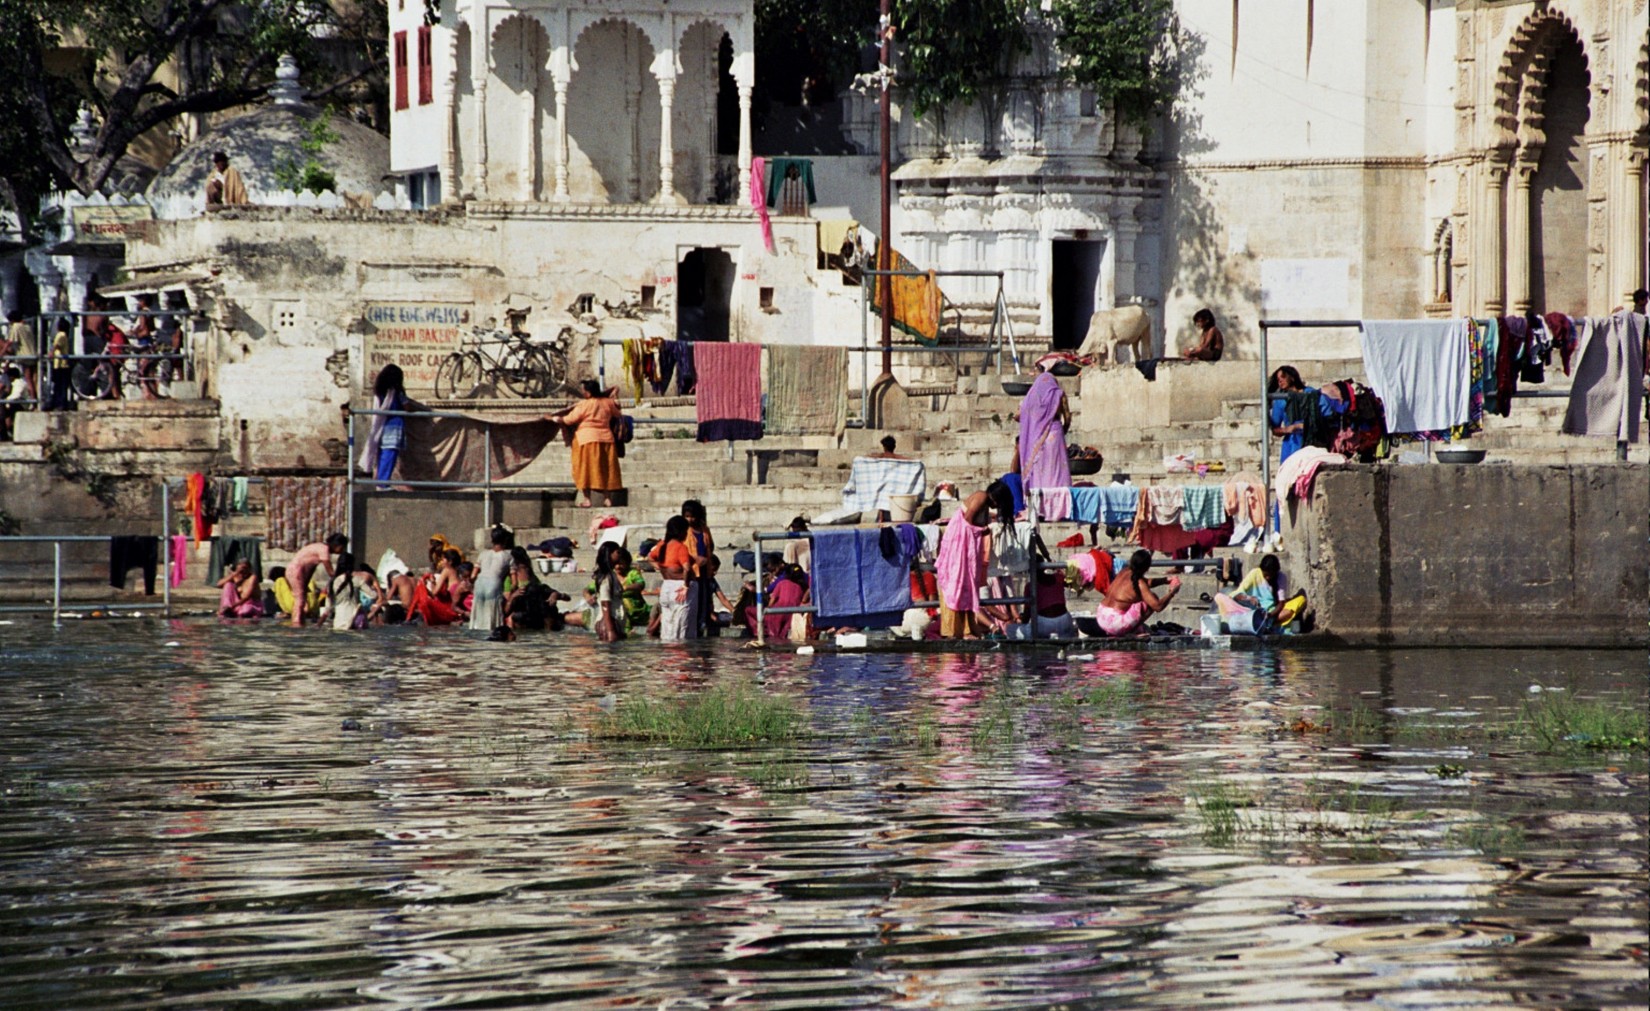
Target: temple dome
259,140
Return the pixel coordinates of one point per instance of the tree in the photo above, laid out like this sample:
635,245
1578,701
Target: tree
1123,49
144,63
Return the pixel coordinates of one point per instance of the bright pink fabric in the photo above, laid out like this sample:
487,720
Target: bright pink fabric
759,200
180,560
231,601
959,569
1120,622
730,385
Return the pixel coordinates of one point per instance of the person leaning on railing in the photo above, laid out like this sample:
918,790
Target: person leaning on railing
19,342
62,347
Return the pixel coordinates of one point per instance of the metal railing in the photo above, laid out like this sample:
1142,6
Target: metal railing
1266,396
486,485
163,546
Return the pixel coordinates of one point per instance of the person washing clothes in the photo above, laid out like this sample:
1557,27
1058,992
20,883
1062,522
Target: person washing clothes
1261,604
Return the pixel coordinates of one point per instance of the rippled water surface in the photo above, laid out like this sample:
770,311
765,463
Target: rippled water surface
188,823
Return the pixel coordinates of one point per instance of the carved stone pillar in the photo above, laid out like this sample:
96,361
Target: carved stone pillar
480,64
667,150
744,141
1492,256
561,74
450,183
530,138
1518,234
1634,271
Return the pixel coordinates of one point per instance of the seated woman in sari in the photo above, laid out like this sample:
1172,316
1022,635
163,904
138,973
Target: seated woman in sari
1261,602
241,597
783,590
1129,599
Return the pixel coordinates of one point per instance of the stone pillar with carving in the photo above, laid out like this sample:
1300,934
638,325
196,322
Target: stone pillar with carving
561,73
480,65
664,73
450,183
1519,254
744,77
530,131
1634,271
1492,258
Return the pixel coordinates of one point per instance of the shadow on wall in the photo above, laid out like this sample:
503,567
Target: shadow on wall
1200,265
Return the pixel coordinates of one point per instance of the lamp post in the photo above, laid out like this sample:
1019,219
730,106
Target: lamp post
885,245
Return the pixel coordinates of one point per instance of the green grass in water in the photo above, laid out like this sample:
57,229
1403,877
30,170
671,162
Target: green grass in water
724,716
1561,723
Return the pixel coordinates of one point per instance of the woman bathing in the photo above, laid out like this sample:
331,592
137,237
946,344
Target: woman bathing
302,568
1129,599
241,596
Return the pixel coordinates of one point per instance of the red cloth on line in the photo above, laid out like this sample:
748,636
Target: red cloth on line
728,397
1103,563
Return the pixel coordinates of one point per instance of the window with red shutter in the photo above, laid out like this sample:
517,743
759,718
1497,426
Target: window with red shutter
426,67
400,70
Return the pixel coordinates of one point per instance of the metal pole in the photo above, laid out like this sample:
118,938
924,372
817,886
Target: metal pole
487,476
57,584
1265,429
864,352
885,244
761,590
349,481
166,547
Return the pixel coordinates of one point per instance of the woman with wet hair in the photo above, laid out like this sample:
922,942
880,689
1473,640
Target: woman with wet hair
677,566
1130,601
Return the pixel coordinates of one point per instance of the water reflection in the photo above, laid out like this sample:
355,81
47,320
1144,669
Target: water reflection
190,825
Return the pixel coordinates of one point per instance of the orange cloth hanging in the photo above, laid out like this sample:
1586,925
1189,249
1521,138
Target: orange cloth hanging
195,485
917,300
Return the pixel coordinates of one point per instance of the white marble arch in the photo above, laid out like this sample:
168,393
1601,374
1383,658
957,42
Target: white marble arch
534,141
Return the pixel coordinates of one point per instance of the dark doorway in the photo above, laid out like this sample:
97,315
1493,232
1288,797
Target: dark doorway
1558,216
704,295
1073,288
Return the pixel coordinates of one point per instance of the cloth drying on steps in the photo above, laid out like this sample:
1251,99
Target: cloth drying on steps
1607,392
855,584
806,394
728,401
130,552
226,551
1421,370
874,480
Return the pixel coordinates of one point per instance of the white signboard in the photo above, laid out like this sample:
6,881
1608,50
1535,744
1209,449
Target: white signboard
416,336
1295,285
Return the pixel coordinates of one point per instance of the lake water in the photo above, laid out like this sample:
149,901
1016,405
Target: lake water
188,823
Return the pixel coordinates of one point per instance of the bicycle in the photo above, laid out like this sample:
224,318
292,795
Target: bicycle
530,370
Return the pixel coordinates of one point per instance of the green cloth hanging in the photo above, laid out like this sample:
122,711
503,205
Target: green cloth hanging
779,168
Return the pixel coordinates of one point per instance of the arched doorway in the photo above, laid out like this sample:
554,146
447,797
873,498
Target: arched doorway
704,295
1558,187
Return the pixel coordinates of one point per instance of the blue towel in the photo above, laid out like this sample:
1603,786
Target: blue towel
1205,507
1118,504
853,584
1017,488
1085,505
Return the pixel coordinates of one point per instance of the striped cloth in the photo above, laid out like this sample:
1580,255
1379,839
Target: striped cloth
874,480
805,390
728,398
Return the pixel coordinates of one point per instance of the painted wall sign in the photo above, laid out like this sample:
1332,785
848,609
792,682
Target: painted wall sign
416,336
1321,284
108,221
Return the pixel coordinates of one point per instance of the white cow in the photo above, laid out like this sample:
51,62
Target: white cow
1110,329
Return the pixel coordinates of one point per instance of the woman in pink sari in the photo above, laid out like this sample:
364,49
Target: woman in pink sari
1044,416
959,569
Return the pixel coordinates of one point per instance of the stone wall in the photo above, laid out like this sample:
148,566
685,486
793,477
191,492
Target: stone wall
1476,555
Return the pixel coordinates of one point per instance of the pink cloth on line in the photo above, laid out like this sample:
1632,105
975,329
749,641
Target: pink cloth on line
1244,492
1114,622
1054,504
231,601
728,399
959,569
180,561
759,200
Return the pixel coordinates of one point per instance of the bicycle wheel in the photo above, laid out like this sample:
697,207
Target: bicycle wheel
557,361
527,371
91,380
458,376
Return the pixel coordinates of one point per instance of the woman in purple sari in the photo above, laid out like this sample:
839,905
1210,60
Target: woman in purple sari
1043,420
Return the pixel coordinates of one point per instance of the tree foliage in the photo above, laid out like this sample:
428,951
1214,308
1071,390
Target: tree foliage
956,50
1123,49
140,64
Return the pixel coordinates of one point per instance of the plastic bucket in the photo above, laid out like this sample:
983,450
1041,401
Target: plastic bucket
903,508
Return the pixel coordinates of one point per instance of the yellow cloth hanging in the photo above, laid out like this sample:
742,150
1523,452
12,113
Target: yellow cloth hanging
917,301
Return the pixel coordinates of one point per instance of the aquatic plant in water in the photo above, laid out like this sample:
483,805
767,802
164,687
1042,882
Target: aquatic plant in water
723,716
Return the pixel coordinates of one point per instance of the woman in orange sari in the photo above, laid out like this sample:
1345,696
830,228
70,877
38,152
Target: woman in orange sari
595,454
